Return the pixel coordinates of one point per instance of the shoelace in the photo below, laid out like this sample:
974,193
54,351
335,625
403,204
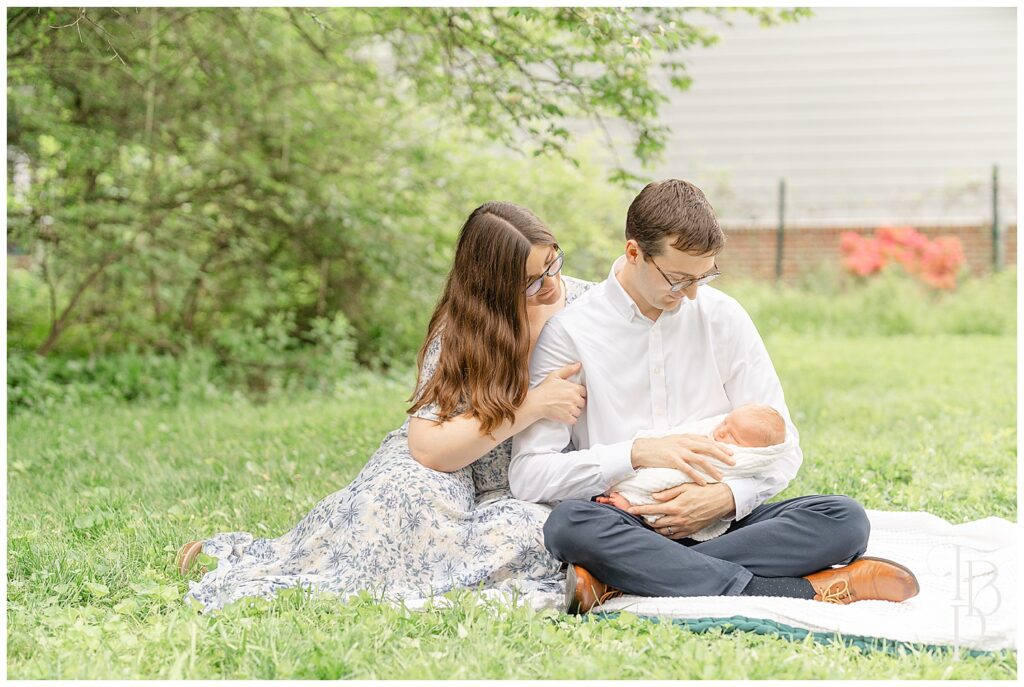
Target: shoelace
838,595
610,594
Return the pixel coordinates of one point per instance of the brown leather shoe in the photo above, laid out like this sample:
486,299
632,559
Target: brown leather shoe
865,579
583,591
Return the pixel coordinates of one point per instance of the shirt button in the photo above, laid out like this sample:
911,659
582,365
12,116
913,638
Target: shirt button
658,412
657,370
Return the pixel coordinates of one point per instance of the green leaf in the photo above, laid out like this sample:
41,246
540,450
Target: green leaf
127,606
207,560
48,145
96,589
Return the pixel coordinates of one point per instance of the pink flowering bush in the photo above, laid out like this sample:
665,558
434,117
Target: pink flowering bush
935,262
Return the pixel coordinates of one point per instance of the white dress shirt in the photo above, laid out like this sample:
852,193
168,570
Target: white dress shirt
705,358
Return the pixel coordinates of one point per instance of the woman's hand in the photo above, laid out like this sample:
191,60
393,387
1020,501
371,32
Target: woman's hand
558,399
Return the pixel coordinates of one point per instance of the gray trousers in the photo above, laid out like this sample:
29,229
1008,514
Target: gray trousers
791,538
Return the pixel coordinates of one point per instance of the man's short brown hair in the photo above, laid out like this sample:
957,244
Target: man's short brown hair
677,210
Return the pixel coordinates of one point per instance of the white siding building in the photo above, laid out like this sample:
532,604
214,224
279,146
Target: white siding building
870,114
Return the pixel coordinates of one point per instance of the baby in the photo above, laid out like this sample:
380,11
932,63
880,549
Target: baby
758,435
752,426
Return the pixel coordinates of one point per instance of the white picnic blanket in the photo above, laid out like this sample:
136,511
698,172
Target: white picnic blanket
751,461
967,572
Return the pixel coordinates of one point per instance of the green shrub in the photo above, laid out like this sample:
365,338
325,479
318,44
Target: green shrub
258,361
826,301
28,384
34,382
27,308
265,360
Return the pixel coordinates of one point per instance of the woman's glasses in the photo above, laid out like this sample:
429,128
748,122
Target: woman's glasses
553,268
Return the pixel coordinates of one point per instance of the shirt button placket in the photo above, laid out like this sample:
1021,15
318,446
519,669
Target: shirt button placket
655,364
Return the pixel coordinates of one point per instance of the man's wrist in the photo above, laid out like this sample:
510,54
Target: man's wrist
728,502
635,452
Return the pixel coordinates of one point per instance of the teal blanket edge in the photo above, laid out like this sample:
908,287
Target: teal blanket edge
764,626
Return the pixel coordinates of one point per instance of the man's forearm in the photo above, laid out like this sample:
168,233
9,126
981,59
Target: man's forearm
548,476
720,503
728,508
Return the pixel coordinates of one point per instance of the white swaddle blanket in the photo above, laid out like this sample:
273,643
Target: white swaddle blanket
750,461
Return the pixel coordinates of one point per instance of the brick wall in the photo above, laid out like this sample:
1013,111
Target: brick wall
750,249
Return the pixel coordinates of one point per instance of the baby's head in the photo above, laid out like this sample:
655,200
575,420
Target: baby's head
752,425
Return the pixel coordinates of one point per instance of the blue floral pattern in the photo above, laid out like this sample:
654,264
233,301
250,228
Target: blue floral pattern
398,530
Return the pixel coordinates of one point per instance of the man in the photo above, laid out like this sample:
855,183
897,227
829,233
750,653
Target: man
658,348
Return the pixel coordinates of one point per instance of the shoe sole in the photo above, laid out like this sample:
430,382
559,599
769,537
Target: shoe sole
569,600
917,585
186,557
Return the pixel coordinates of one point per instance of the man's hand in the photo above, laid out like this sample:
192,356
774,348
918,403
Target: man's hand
688,508
691,454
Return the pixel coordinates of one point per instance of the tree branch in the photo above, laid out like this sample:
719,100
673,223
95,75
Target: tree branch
59,325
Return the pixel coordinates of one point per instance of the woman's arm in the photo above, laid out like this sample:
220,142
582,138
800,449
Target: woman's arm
452,445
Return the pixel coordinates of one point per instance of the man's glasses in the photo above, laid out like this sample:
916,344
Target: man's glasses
676,287
553,268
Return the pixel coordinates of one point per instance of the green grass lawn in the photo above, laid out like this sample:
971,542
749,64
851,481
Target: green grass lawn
99,498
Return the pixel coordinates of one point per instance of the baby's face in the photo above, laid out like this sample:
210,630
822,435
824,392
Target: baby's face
740,428
726,432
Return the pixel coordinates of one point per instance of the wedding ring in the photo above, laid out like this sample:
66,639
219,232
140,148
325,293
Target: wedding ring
670,530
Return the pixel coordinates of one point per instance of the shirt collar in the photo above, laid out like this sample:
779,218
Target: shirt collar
620,300
624,303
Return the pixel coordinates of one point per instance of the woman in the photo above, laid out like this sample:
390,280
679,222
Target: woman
431,510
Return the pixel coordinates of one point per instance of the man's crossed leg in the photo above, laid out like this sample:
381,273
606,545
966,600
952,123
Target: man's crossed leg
779,549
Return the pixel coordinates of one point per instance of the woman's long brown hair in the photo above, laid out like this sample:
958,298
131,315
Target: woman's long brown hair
482,312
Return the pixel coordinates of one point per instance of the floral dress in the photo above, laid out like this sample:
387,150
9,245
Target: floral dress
399,530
